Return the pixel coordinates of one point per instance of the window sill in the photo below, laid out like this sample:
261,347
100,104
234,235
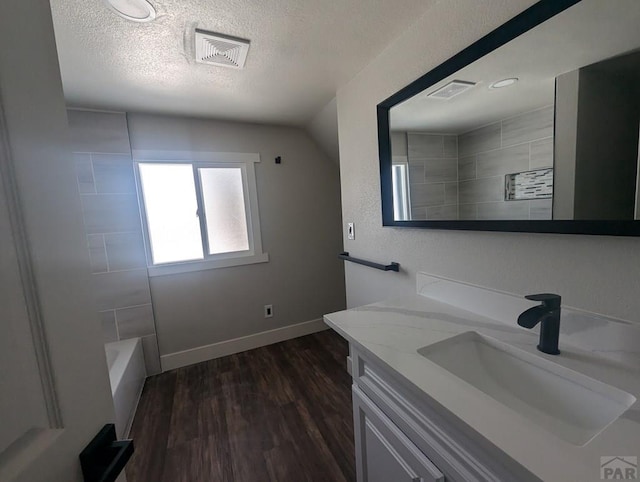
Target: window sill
191,266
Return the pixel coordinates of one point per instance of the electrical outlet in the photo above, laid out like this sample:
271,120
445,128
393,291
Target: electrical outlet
268,311
351,231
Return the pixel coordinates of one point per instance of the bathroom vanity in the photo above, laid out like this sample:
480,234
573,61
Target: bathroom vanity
447,386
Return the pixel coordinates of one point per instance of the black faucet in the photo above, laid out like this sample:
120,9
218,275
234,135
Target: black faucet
548,315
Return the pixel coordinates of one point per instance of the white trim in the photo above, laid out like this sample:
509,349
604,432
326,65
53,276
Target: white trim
199,265
9,191
253,210
127,431
216,350
194,156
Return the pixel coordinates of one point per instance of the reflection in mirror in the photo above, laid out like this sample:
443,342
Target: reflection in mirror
544,127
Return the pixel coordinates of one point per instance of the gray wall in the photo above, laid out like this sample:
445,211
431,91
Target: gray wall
607,145
300,221
104,167
599,113
595,273
399,144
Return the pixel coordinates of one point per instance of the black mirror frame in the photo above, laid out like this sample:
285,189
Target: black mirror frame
525,21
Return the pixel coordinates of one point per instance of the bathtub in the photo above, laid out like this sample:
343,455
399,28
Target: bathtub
127,374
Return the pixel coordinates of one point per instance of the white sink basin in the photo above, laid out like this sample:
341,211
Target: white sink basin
572,406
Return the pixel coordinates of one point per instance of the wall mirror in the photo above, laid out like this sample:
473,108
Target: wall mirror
533,128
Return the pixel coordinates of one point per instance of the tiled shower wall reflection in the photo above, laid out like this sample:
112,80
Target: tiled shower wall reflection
433,175
486,155
463,176
113,227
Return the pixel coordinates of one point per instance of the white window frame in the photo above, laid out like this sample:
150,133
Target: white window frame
246,162
401,188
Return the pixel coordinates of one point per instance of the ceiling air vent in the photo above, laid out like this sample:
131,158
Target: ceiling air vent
217,49
453,88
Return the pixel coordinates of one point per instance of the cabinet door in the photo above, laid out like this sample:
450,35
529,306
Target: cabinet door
383,452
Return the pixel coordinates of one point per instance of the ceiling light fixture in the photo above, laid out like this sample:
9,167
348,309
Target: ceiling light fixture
504,83
134,10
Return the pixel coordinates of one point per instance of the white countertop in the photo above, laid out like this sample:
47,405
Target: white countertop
605,349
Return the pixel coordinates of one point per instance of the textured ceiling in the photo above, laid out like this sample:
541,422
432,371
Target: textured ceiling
301,52
588,32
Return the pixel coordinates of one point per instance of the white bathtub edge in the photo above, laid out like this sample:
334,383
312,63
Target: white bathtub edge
127,428
127,377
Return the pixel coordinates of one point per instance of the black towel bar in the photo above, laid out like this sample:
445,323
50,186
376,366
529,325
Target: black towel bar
384,267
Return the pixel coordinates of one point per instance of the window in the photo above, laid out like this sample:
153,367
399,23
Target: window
199,213
399,180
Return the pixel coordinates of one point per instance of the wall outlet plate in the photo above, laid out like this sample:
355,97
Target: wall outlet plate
268,311
351,231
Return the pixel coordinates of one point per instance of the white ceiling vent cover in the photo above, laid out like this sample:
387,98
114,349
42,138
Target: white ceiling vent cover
217,49
453,88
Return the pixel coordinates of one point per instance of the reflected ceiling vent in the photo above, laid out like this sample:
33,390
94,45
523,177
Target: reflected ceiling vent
217,49
453,88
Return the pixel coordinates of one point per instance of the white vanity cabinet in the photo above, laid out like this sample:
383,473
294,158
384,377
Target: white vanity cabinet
401,435
384,452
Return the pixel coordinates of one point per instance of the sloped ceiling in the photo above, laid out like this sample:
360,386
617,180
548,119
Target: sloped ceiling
323,128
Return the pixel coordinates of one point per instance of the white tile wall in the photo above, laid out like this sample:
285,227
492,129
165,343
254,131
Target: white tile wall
114,233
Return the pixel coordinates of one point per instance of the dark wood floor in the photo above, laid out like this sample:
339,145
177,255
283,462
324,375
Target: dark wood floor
278,413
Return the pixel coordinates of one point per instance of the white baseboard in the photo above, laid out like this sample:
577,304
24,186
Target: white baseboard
237,345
